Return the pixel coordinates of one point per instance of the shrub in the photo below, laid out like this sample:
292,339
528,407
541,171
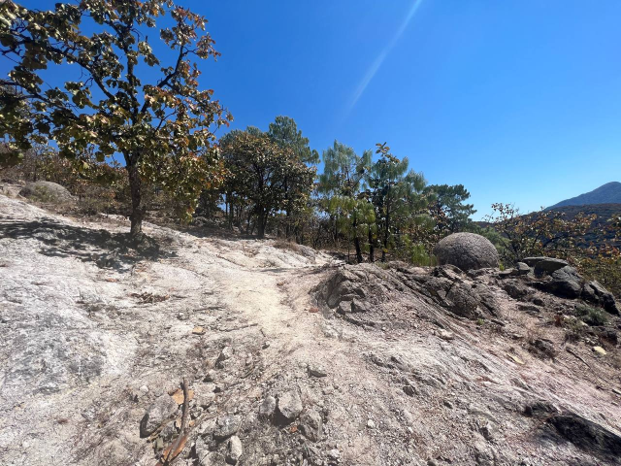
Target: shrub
591,315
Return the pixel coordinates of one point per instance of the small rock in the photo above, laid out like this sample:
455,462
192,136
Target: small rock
207,457
446,335
225,354
311,424
289,406
161,410
317,371
334,454
267,408
225,427
522,268
210,376
371,424
144,389
234,450
599,350
410,390
182,316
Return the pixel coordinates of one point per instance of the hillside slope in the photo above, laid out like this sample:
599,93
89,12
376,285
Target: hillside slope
610,193
98,337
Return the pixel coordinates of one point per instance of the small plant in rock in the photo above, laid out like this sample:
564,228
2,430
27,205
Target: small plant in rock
590,315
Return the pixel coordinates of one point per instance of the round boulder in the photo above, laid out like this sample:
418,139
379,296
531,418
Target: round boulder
467,251
46,191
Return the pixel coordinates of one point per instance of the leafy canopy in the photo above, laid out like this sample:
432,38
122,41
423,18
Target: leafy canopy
126,101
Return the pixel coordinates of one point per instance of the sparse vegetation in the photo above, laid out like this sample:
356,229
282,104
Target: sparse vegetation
591,315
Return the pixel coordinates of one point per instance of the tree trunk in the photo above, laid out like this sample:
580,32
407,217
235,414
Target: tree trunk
137,214
371,247
261,223
359,258
386,236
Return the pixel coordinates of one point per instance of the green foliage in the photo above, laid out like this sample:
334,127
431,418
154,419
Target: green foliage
259,174
341,185
162,128
398,198
540,233
376,205
450,201
284,132
591,315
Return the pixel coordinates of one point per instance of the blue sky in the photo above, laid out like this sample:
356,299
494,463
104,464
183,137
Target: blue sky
519,100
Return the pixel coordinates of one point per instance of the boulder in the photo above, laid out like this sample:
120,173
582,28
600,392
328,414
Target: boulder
566,283
545,265
595,293
467,251
46,191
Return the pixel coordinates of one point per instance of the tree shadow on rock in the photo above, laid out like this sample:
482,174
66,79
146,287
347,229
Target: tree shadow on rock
107,250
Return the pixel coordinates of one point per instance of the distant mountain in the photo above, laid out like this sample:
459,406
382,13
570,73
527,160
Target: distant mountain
610,193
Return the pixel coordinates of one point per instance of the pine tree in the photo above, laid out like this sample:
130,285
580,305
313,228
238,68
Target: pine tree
345,202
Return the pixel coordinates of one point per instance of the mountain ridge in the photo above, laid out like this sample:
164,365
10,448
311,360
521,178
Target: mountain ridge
609,193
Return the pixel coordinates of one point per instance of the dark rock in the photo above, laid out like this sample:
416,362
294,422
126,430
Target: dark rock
588,436
317,371
545,265
549,266
359,306
516,289
566,283
595,293
467,251
529,308
159,412
540,409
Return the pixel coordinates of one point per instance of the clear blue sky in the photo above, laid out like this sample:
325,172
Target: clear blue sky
519,100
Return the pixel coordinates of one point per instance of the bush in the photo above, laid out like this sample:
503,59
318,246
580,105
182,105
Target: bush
591,315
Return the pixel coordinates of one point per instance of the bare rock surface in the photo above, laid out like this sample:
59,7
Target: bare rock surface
400,366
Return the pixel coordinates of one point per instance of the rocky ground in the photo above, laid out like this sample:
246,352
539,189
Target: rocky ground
208,351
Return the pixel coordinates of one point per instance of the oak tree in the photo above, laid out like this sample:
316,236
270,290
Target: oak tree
258,171
121,100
